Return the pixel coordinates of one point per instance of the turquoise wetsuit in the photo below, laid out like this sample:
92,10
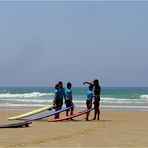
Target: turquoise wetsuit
61,93
68,94
56,93
89,96
89,99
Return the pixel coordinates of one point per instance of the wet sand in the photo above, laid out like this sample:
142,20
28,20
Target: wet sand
115,129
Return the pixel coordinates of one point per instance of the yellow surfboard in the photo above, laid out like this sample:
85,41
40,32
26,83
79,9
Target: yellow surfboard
32,112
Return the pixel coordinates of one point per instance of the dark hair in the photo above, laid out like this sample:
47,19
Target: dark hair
90,87
60,82
96,82
69,85
56,86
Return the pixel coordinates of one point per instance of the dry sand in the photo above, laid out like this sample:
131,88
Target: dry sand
115,129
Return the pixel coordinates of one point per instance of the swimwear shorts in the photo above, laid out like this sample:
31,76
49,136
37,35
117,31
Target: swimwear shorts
88,104
96,104
68,104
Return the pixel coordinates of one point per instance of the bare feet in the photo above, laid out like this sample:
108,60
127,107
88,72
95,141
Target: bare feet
98,118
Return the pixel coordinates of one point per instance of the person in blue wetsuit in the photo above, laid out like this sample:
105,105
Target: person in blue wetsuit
68,99
56,95
60,95
89,100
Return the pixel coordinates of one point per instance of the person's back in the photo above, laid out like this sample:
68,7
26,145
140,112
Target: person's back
68,99
56,98
61,92
89,100
89,95
68,94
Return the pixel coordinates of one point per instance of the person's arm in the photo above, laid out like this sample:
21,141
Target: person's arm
55,97
71,100
54,101
87,83
64,94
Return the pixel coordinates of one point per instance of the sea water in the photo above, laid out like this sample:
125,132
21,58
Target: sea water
112,98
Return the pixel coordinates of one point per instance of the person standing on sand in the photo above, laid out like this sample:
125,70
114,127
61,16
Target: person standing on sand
97,91
89,100
56,100
59,95
61,92
68,99
56,95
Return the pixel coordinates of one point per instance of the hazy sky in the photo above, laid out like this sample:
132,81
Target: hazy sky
44,42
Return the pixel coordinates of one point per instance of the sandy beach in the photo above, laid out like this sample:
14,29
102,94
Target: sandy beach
115,129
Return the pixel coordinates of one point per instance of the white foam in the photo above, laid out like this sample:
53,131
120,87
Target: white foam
27,100
119,106
27,95
21,105
116,106
144,96
117,99
83,106
103,100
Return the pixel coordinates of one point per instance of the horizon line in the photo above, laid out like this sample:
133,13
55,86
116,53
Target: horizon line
82,86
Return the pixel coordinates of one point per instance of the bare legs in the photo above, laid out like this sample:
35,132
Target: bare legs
87,116
56,109
96,113
89,106
96,110
71,112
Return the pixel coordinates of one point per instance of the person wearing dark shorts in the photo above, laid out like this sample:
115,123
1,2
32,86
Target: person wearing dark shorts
89,100
56,95
68,99
56,100
59,95
97,91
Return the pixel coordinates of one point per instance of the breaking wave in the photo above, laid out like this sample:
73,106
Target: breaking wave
144,96
26,95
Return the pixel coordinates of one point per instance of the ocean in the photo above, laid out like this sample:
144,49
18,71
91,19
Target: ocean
112,98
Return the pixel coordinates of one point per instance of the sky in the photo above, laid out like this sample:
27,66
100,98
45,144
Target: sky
45,42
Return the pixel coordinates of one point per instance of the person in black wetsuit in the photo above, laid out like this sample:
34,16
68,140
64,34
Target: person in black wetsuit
97,91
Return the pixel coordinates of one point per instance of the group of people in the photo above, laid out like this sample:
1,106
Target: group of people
93,97
63,94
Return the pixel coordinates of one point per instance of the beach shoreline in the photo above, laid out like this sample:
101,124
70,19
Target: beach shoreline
103,109
116,99
115,129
